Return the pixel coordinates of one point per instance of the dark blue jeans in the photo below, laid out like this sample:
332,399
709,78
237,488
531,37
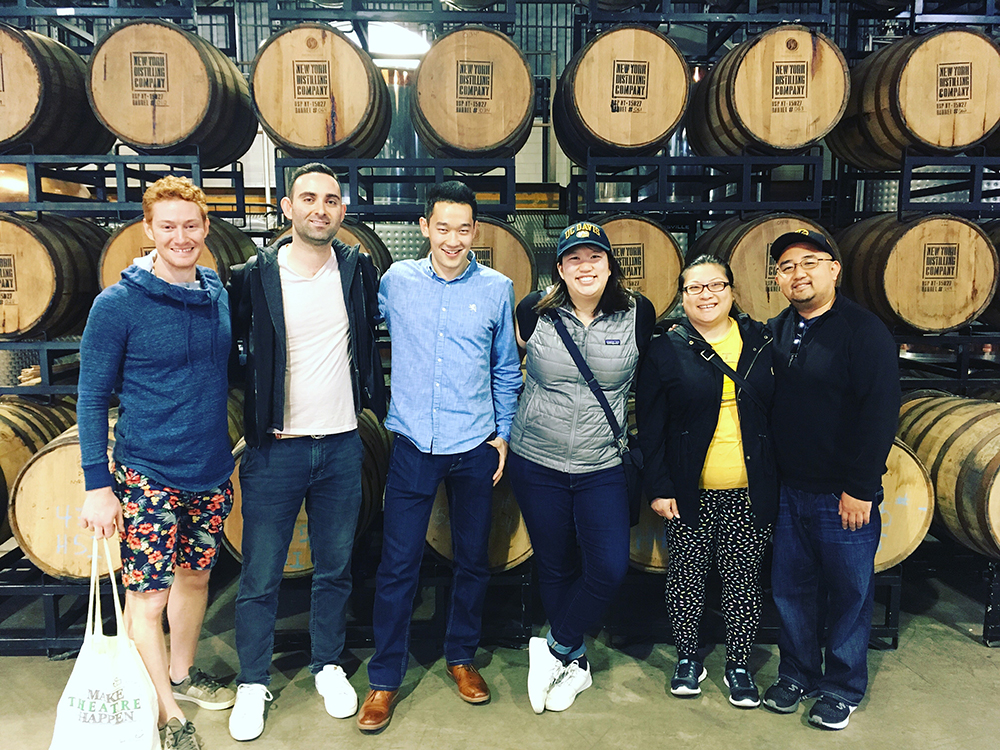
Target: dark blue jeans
274,479
409,496
579,529
823,575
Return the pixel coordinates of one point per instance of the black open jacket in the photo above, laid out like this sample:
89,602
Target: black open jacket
678,398
259,344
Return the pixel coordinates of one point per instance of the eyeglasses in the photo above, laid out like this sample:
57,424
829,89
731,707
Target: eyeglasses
806,264
712,286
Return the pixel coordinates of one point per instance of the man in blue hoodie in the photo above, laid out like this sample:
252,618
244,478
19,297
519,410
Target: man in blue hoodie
159,339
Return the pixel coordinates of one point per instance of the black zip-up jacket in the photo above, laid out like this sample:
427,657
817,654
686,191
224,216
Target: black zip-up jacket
837,400
677,401
259,344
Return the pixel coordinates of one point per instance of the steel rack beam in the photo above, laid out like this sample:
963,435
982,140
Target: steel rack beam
433,12
126,176
61,629
47,353
361,180
960,367
662,11
967,185
695,184
178,10
928,12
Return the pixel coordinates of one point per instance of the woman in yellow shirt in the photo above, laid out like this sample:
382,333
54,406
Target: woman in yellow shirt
703,398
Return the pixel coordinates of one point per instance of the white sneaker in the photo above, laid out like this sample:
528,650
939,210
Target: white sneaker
543,669
570,683
246,721
338,695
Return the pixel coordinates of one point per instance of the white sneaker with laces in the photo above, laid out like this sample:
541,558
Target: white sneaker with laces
246,722
338,695
543,669
571,682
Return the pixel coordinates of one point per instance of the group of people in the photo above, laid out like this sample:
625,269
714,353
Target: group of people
747,430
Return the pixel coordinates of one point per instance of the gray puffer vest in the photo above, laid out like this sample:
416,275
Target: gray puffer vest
559,423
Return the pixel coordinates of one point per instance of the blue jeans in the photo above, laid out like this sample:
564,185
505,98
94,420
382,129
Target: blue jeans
274,479
579,529
823,575
410,489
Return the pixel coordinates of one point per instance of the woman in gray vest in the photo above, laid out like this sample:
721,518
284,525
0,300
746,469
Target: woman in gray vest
702,400
563,464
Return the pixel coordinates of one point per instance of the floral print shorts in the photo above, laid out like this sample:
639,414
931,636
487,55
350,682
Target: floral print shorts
165,527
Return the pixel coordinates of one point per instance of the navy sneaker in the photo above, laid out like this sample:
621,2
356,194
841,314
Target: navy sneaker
783,696
742,690
830,713
687,676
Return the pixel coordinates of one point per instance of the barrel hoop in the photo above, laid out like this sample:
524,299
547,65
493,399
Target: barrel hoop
21,434
991,469
917,441
954,436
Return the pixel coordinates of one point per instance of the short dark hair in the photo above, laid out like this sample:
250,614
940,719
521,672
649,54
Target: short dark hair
310,168
451,191
704,260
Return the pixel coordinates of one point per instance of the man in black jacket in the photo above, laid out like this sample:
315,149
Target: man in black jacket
836,403
304,314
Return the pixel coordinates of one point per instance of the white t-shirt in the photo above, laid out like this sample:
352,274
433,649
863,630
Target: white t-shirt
318,394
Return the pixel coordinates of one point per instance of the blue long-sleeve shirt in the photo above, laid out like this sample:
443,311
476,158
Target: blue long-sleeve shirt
455,368
163,349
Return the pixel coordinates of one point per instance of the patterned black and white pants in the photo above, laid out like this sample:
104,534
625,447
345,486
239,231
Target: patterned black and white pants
726,535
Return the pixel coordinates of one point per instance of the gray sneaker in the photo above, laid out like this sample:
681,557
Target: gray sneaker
179,736
783,696
202,689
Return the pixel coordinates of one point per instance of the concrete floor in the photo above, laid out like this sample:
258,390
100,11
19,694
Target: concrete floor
939,689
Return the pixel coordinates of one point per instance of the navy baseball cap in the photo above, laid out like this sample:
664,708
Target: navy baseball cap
806,237
582,233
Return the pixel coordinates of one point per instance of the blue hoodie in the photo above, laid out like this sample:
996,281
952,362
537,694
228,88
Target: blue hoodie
163,348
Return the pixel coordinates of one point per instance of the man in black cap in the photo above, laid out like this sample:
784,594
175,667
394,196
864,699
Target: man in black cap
836,403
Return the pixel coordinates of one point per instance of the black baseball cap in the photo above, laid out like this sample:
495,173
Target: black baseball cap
807,237
582,233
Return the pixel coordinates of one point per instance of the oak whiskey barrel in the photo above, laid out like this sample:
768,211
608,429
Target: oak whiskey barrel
779,92
48,273
25,428
907,508
46,501
623,94
318,94
958,441
160,88
933,273
649,257
474,95
931,93
43,97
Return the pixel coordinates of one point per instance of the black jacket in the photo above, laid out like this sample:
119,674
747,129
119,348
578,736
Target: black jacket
677,402
838,400
259,345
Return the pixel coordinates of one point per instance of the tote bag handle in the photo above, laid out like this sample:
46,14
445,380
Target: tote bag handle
94,619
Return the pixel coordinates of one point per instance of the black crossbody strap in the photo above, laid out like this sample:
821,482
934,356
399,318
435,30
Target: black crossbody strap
588,375
712,356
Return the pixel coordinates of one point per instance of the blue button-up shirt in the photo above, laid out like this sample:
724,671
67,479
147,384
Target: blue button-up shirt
455,368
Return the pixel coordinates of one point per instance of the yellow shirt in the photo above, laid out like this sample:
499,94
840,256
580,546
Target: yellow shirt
725,468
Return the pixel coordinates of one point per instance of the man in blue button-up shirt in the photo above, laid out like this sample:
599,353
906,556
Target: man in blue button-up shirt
455,382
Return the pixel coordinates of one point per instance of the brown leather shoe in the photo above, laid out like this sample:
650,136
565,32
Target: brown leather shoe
376,711
472,688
